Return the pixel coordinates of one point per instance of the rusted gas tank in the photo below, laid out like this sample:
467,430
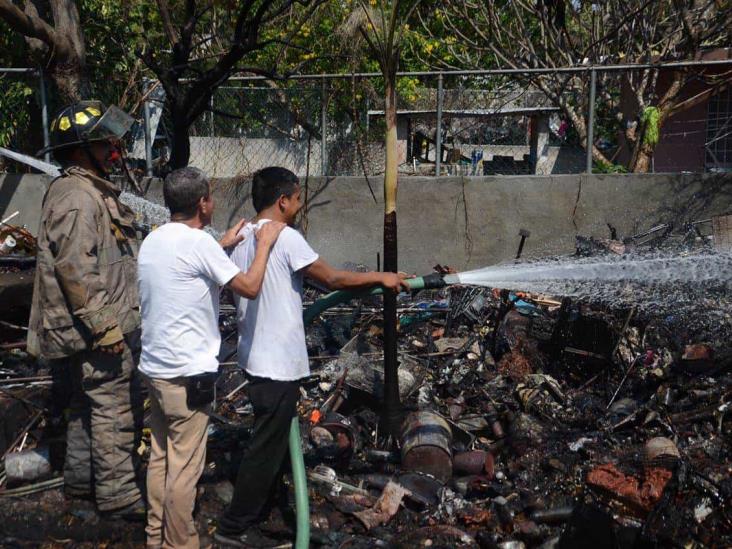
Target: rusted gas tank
426,440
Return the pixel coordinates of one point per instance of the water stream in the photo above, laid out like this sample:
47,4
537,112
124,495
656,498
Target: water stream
643,269
148,213
690,289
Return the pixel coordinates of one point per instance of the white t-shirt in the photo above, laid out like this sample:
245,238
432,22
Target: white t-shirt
271,331
180,272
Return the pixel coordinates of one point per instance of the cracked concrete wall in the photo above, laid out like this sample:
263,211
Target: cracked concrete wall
463,222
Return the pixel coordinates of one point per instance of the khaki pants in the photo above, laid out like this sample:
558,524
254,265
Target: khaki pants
104,426
177,459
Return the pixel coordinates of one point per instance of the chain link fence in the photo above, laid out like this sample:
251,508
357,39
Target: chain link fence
488,126
251,125
718,133
490,122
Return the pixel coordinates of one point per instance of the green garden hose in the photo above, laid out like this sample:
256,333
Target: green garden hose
302,506
332,299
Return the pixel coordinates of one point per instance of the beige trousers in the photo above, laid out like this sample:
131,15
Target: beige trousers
104,425
177,458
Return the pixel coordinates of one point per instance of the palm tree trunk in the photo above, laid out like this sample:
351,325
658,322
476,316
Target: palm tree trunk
391,413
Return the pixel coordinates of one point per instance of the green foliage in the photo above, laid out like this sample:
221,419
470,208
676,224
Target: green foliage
114,30
16,90
15,104
650,119
608,168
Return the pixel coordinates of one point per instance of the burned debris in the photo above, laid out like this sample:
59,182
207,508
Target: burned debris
528,417
530,420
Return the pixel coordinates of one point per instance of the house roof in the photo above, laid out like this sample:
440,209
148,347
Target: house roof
469,113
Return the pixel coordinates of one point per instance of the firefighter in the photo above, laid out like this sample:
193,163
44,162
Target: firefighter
85,316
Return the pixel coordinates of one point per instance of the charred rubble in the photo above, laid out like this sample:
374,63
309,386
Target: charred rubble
529,421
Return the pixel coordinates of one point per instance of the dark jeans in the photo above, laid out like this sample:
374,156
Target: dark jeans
260,472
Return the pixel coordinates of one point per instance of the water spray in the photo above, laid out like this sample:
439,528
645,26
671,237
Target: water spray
561,276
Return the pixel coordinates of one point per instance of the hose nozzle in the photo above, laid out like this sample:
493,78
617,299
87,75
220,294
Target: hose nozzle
431,281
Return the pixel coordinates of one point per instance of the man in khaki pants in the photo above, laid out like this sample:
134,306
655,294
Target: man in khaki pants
181,269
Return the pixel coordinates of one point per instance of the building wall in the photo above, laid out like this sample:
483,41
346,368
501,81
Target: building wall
681,142
681,146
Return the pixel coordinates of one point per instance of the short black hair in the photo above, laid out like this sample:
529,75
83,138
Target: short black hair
269,184
183,189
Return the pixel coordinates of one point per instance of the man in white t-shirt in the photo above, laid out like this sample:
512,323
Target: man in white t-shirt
272,346
181,269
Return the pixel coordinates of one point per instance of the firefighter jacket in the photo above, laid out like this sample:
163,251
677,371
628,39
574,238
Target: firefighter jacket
86,272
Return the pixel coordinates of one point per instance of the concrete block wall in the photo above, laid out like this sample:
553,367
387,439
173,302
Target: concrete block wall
466,222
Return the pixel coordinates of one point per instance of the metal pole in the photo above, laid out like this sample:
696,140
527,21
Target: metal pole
591,119
438,133
368,117
148,137
16,69
323,130
44,114
356,118
211,116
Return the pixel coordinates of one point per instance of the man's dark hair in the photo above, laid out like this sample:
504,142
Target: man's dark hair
183,189
269,184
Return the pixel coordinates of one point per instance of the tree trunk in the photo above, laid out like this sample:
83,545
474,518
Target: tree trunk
180,147
70,81
391,415
68,58
643,160
640,160
56,43
580,126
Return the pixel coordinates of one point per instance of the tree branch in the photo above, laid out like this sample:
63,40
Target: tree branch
168,27
28,25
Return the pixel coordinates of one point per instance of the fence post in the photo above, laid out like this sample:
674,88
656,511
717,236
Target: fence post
148,137
323,130
368,118
591,120
212,132
356,117
438,133
44,114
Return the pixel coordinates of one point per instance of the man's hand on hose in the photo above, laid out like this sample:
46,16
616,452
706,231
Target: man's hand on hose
395,281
